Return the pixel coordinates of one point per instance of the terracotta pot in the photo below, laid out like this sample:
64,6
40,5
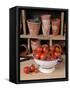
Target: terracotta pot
35,44
57,45
34,27
55,26
46,24
23,50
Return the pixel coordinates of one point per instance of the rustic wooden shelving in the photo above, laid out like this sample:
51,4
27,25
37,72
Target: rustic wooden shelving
41,37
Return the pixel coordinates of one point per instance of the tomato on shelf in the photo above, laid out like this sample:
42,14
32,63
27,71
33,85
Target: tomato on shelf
43,56
27,69
36,70
39,49
57,55
38,55
48,57
45,48
32,68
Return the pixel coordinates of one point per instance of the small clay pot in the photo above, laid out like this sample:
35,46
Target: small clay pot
45,24
45,16
55,26
23,50
59,46
33,26
35,44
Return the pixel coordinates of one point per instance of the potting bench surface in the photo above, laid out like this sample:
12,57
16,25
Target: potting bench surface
58,73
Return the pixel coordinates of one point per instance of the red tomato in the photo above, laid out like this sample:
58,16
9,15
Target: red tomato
32,68
27,70
45,47
36,70
37,55
45,50
48,57
39,49
43,56
53,57
57,55
51,48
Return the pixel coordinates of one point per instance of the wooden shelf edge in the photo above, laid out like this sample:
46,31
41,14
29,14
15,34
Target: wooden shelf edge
42,37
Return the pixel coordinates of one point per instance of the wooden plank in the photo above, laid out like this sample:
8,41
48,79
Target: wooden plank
28,45
50,42
34,37
58,37
42,37
62,22
23,21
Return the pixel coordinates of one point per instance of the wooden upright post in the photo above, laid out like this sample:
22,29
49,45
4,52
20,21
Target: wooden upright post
24,21
28,45
62,22
50,42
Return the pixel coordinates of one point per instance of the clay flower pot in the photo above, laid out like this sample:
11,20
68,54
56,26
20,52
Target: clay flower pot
33,27
23,50
35,44
45,24
55,26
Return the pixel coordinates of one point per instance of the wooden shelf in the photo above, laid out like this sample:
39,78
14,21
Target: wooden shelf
42,37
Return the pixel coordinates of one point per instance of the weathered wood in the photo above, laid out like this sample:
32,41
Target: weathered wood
42,37
50,42
28,45
23,21
62,22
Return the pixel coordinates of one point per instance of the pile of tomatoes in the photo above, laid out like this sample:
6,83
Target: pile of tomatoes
46,52
30,69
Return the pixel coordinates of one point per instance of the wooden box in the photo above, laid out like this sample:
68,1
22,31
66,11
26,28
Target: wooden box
30,29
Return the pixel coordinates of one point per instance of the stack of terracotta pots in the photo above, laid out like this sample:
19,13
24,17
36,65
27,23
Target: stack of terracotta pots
34,27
